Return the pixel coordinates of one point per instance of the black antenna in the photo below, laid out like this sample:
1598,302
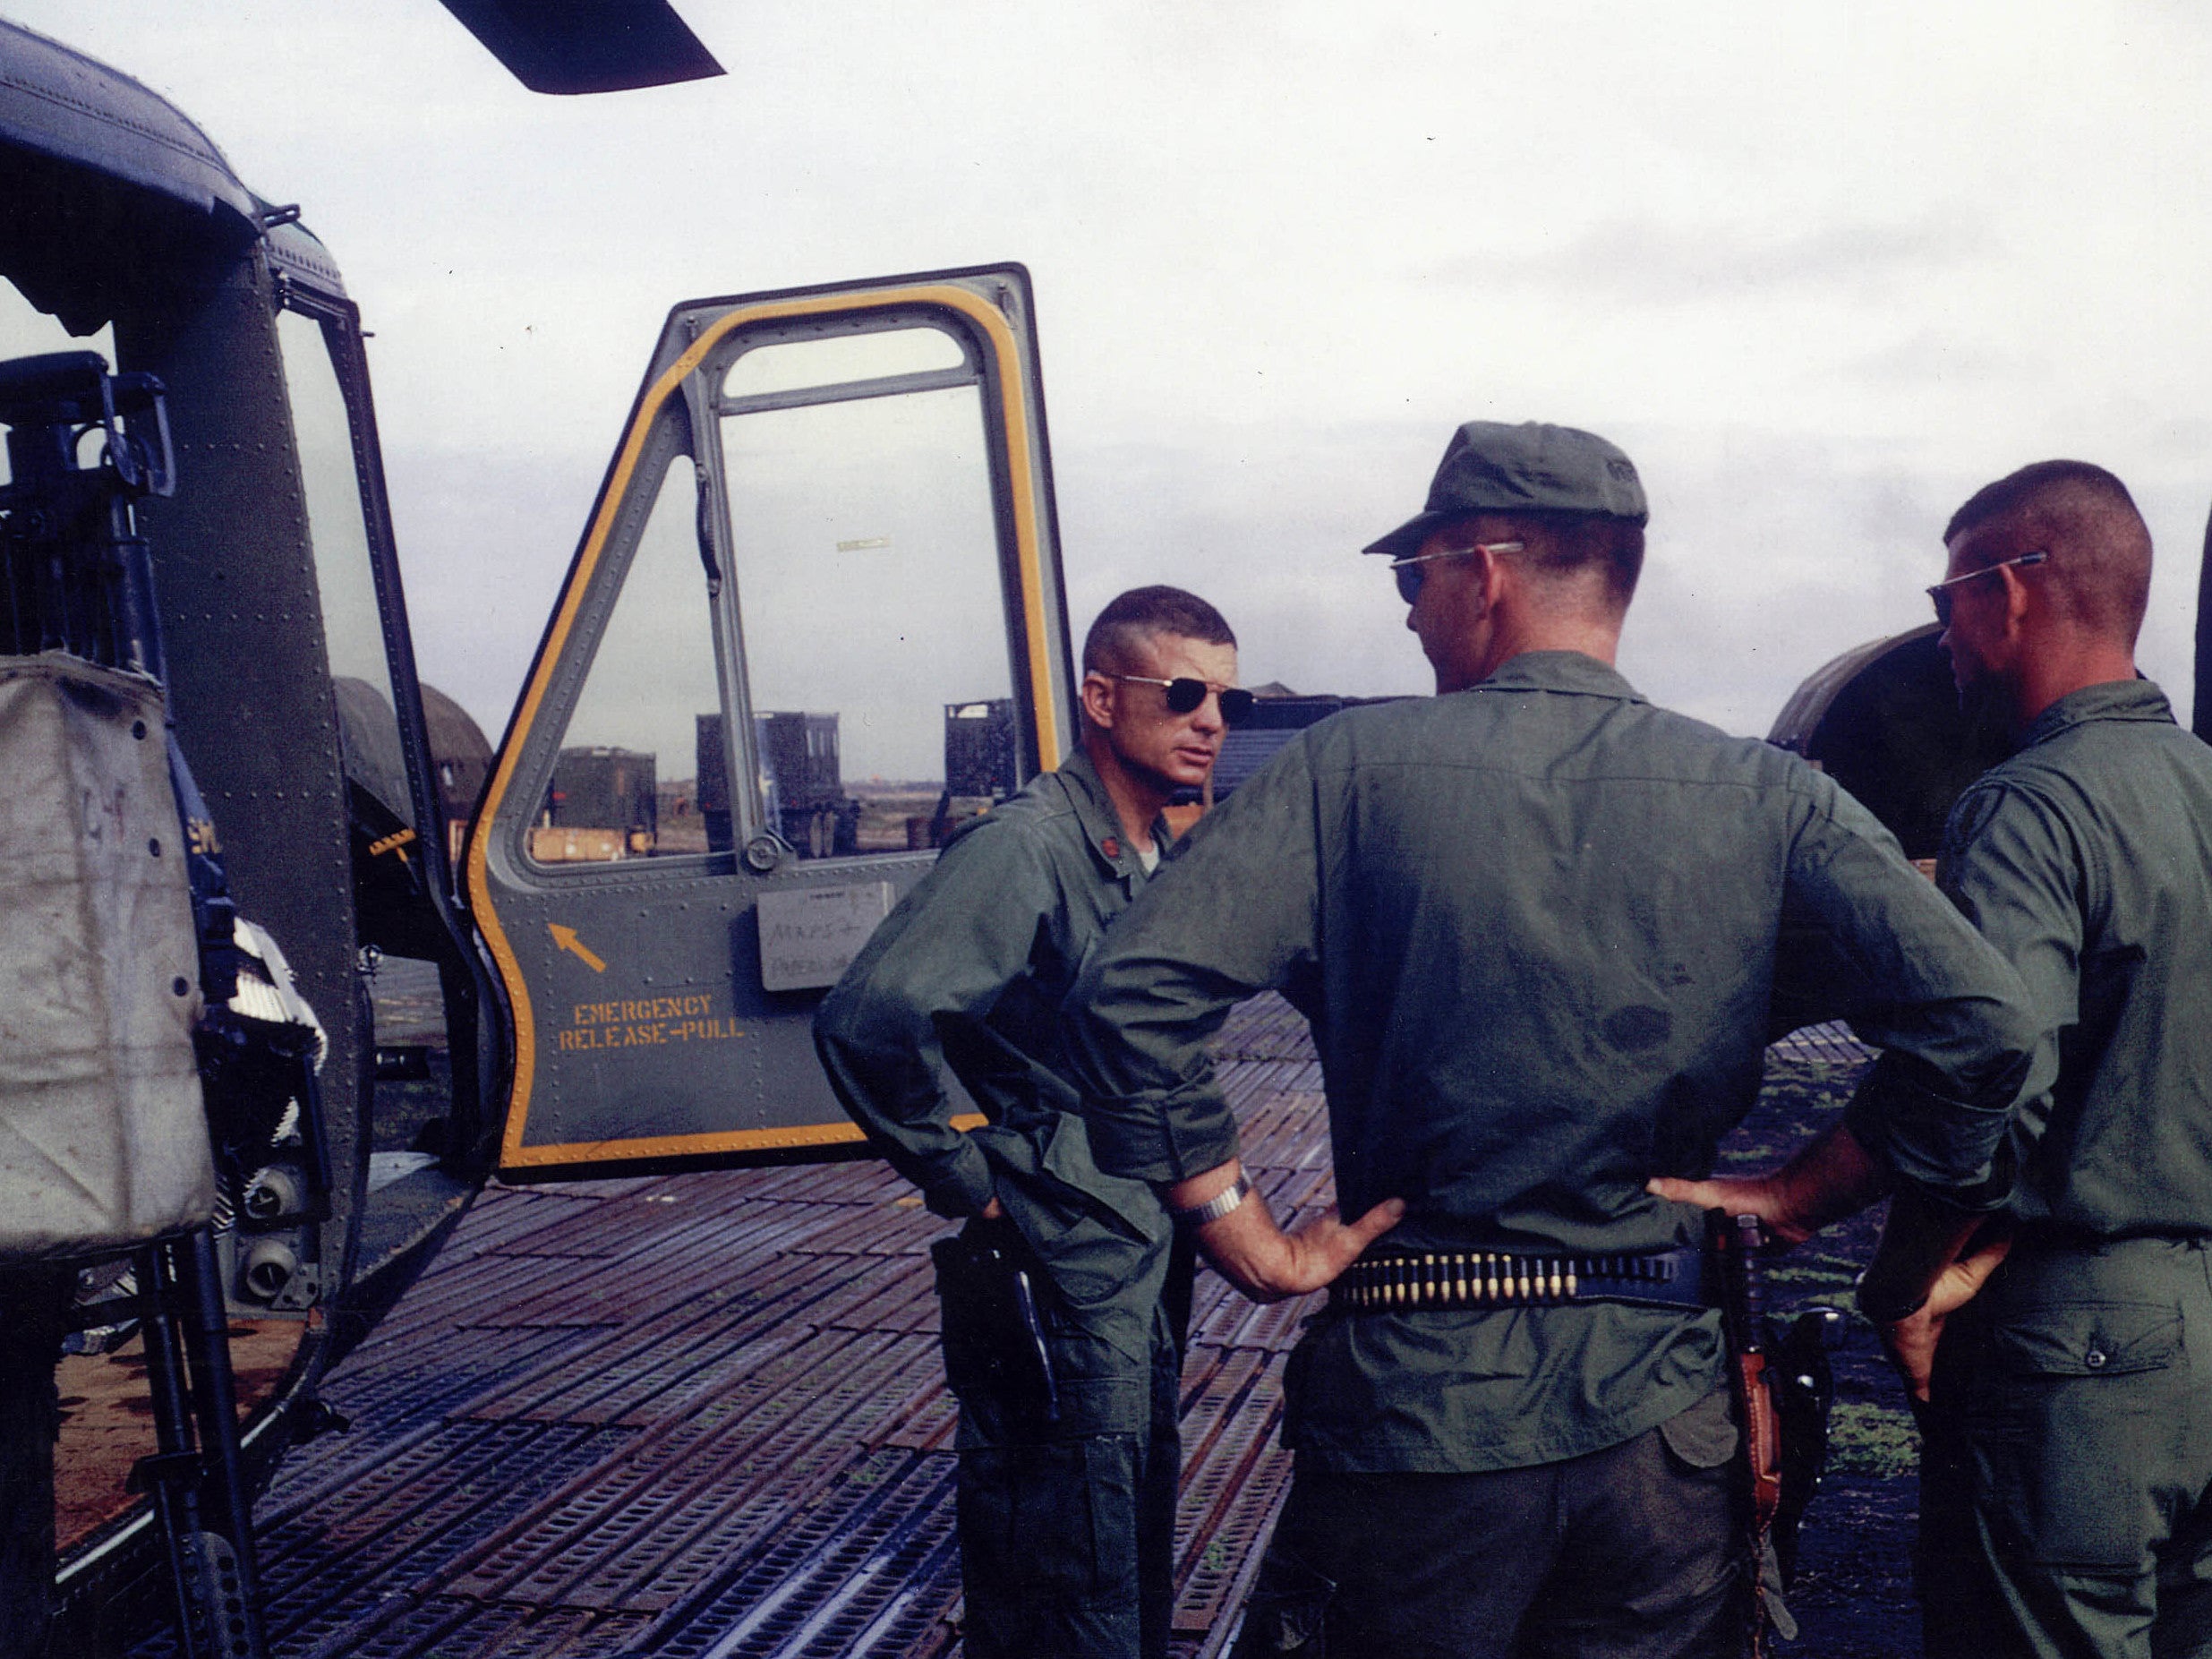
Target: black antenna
2200,718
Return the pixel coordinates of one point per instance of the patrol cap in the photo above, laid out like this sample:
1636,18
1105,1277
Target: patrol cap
1491,468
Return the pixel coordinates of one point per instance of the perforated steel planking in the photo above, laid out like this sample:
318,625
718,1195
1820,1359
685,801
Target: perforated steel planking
704,1415
1832,1042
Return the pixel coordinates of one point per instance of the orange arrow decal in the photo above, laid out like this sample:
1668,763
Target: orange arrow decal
565,939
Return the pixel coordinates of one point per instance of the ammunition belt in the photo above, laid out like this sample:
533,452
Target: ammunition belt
1466,1278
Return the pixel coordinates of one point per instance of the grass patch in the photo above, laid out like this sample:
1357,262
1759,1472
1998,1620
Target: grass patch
1800,1099
1877,1441
1815,1269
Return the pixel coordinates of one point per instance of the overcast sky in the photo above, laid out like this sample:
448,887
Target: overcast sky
1822,270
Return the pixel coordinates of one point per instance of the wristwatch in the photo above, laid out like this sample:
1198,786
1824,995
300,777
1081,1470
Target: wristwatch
1219,1205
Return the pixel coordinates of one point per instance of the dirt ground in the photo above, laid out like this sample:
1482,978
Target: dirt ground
107,1418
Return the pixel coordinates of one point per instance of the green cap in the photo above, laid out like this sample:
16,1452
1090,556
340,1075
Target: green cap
1491,468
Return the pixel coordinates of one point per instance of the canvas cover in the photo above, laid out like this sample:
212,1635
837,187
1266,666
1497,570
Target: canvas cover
103,1136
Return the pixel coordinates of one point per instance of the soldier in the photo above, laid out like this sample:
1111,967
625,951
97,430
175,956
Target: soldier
1532,922
1062,1310
2066,1487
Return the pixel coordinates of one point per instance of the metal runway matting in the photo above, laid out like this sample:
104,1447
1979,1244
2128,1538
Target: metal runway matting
704,1416
1833,1044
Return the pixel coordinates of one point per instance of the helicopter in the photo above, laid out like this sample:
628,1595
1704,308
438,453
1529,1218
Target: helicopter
615,928
609,961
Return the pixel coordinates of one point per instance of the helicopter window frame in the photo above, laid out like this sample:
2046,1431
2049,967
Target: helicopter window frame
771,353
978,369
338,319
471,1118
667,447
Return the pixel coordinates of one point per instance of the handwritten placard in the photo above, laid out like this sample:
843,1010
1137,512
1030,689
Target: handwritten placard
810,935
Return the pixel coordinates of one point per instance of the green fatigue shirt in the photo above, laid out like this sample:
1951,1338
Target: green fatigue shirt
968,974
2085,858
1534,925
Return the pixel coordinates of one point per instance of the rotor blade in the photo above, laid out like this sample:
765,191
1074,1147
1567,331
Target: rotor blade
587,45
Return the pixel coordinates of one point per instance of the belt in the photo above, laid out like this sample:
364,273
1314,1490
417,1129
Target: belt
1488,1278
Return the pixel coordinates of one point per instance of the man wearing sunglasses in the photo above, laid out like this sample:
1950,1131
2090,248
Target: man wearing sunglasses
1064,1297
2066,1484
1534,922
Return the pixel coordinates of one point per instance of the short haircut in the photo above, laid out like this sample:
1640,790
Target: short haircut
1563,546
2098,576
1141,612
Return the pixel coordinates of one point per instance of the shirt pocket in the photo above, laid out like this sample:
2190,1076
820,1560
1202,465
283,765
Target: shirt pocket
2080,1433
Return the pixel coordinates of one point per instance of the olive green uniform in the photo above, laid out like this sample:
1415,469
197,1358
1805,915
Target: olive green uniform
1066,1508
1533,924
2068,1501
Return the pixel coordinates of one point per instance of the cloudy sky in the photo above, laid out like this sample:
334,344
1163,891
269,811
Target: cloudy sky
1822,270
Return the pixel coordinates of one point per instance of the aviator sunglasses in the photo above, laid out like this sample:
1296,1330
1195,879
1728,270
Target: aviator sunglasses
1410,575
1939,595
1184,694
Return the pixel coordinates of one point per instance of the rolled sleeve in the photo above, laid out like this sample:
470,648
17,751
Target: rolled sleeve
1908,1118
1235,914
1948,1011
1162,1138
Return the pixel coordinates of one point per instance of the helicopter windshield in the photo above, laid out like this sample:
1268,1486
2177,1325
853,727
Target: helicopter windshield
352,624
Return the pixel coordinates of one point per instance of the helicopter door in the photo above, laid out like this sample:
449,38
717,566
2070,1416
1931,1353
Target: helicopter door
815,623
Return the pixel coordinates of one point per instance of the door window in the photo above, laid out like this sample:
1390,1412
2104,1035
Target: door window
646,728
867,555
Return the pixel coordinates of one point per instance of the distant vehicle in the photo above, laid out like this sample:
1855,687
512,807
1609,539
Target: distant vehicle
604,803
828,521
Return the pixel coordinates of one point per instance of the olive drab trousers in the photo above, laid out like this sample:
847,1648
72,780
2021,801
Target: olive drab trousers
1066,1510
1635,1552
2066,1479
